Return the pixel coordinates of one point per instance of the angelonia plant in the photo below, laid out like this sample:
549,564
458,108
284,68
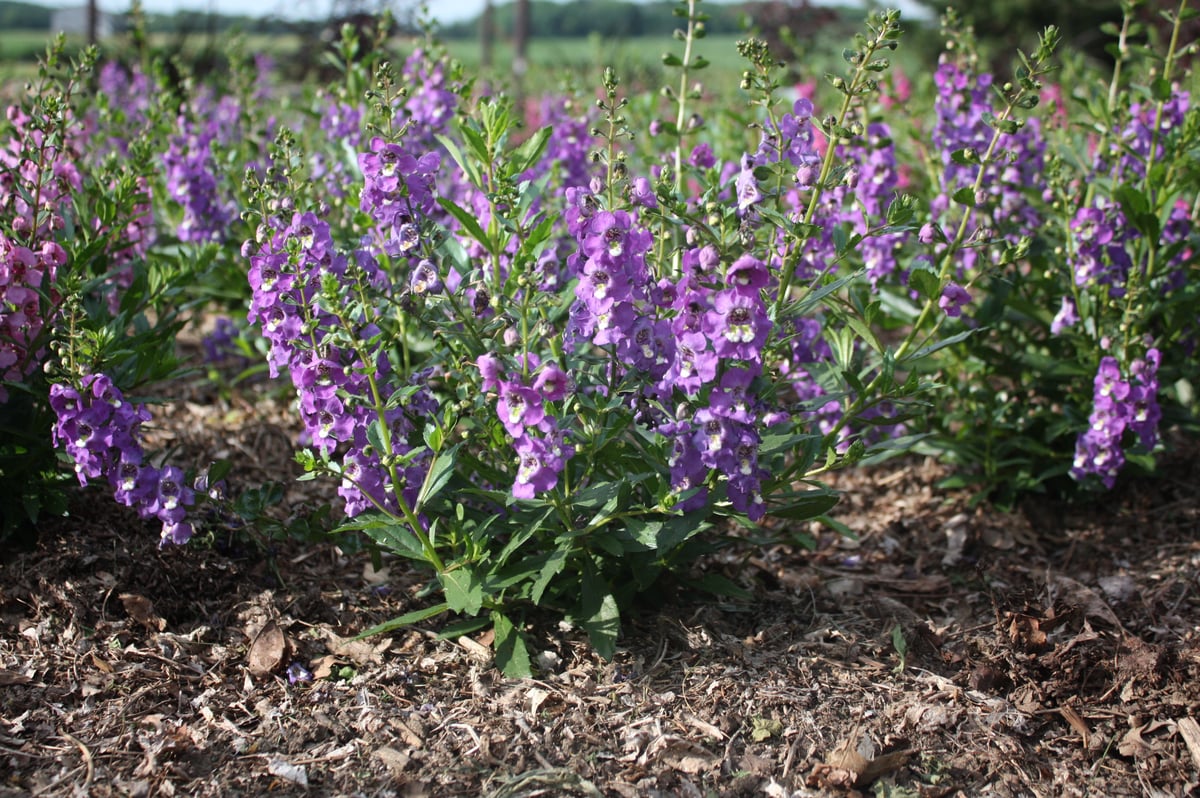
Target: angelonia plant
71,231
95,282
544,366
1067,241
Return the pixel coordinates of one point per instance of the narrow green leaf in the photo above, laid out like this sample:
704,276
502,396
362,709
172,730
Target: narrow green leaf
469,168
553,567
720,585
439,474
805,506
466,219
408,619
530,152
939,345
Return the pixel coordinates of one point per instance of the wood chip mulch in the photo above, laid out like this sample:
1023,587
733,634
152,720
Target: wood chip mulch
949,650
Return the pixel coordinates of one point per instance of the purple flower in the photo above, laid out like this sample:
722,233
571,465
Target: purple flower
737,325
702,156
746,186
539,462
551,382
1067,316
519,407
953,298
747,275
425,279
101,431
1119,404
298,674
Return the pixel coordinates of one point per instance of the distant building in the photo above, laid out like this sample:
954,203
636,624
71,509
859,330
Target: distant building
74,21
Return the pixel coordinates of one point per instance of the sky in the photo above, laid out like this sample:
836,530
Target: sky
442,10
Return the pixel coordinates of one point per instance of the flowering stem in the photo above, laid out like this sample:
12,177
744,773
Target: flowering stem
884,37
1003,120
681,99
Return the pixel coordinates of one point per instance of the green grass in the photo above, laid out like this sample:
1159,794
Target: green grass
28,45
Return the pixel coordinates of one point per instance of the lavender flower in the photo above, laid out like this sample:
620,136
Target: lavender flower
1120,403
101,433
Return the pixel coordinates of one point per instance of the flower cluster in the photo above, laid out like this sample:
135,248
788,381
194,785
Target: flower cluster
429,105
299,283
524,405
696,343
859,202
192,175
961,137
399,192
38,174
101,433
25,275
1120,404
1100,254
1100,257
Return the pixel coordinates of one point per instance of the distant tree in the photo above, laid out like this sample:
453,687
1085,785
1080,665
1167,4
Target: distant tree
789,27
1002,26
23,16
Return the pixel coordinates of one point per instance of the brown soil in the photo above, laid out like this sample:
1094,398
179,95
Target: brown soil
947,651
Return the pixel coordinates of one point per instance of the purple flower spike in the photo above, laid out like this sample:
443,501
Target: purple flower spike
1067,316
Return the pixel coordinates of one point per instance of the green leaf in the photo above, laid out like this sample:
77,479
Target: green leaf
408,619
552,568
925,282
464,591
439,474
601,616
463,626
466,219
396,538
938,345
965,196
475,143
531,151
804,506
671,60
468,167
512,657
720,585
964,157
838,526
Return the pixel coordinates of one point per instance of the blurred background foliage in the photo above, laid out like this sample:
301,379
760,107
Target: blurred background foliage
570,37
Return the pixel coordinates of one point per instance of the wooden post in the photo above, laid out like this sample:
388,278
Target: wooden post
520,47
93,21
487,34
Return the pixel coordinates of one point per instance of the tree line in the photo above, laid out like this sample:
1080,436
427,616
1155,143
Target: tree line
608,18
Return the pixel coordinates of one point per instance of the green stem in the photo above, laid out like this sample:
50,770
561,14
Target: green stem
681,99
